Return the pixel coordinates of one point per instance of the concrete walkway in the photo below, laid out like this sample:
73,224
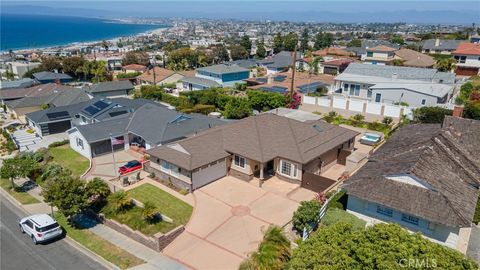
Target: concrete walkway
154,259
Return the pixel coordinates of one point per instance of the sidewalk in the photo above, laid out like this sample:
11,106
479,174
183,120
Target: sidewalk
154,260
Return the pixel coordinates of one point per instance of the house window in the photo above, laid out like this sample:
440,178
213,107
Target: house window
288,169
239,161
369,54
384,211
80,143
410,219
354,89
424,101
460,58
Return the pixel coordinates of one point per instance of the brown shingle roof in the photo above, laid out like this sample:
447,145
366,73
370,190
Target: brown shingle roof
261,138
415,59
136,67
160,74
332,51
381,48
443,158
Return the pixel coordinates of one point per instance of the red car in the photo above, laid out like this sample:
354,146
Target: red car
130,166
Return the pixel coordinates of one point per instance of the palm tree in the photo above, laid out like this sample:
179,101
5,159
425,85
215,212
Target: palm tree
446,64
119,201
105,45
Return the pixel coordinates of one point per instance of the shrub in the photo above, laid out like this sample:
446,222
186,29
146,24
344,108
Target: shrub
330,116
149,211
335,215
56,144
387,120
128,75
430,115
338,200
118,202
306,214
97,190
200,108
357,120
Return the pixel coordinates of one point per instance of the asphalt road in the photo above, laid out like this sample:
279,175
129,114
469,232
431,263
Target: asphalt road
18,252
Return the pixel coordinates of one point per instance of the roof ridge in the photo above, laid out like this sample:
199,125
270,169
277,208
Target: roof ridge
258,137
295,137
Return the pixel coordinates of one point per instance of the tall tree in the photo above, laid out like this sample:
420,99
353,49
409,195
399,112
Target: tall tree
246,43
304,40
72,65
238,52
323,40
290,41
261,51
219,54
278,43
136,57
354,43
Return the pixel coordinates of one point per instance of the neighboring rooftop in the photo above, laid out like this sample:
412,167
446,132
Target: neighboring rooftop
441,44
468,49
160,74
47,75
381,48
22,83
135,67
34,91
443,163
110,86
223,69
413,58
200,81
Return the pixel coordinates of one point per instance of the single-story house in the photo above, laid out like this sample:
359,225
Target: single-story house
191,83
392,84
426,178
63,97
161,76
22,83
148,126
110,89
411,58
132,68
51,77
440,46
257,146
226,75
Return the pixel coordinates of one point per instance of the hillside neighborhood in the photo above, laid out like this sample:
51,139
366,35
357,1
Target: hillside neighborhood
215,144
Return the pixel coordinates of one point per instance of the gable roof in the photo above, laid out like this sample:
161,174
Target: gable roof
443,44
110,86
442,157
47,75
282,59
22,83
468,49
261,138
332,51
200,81
34,91
135,67
415,59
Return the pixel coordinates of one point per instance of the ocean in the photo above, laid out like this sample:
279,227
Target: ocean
36,31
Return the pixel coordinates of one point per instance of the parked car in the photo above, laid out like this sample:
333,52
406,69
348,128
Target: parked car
370,139
40,228
130,166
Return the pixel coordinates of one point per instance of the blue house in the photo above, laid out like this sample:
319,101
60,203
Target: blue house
225,75
51,77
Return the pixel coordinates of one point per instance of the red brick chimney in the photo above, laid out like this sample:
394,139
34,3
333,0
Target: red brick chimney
57,81
457,111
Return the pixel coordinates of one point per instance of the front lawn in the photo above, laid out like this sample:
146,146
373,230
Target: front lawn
98,245
69,159
21,196
132,217
335,215
176,209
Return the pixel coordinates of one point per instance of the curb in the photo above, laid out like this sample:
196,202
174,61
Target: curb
68,239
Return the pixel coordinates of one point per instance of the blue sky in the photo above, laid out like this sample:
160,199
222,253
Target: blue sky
422,11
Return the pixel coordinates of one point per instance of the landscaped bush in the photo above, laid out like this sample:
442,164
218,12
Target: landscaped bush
338,200
306,215
382,246
387,120
358,120
149,211
118,202
200,108
56,144
430,115
128,75
335,215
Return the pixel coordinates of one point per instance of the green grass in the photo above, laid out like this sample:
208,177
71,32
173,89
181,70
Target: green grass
133,219
68,158
176,209
335,215
21,196
98,245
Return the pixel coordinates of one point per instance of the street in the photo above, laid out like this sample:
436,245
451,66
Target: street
18,251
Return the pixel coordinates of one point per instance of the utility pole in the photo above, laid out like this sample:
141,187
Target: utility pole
294,60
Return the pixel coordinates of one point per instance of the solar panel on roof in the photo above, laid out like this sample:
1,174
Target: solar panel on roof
113,114
101,104
58,115
91,110
279,78
310,87
264,80
276,89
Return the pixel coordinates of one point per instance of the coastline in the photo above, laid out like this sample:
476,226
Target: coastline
156,31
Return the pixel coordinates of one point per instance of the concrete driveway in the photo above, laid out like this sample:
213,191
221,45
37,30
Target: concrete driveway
104,166
228,222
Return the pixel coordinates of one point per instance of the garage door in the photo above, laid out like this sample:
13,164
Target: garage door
104,147
56,127
209,174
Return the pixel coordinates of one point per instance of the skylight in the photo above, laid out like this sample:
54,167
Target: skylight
410,180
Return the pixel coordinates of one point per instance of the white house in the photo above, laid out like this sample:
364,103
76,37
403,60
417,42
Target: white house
468,59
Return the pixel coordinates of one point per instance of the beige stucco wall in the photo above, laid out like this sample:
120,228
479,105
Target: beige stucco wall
183,175
251,166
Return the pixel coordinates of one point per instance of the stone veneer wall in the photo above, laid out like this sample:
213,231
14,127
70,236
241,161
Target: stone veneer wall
240,175
166,177
158,242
